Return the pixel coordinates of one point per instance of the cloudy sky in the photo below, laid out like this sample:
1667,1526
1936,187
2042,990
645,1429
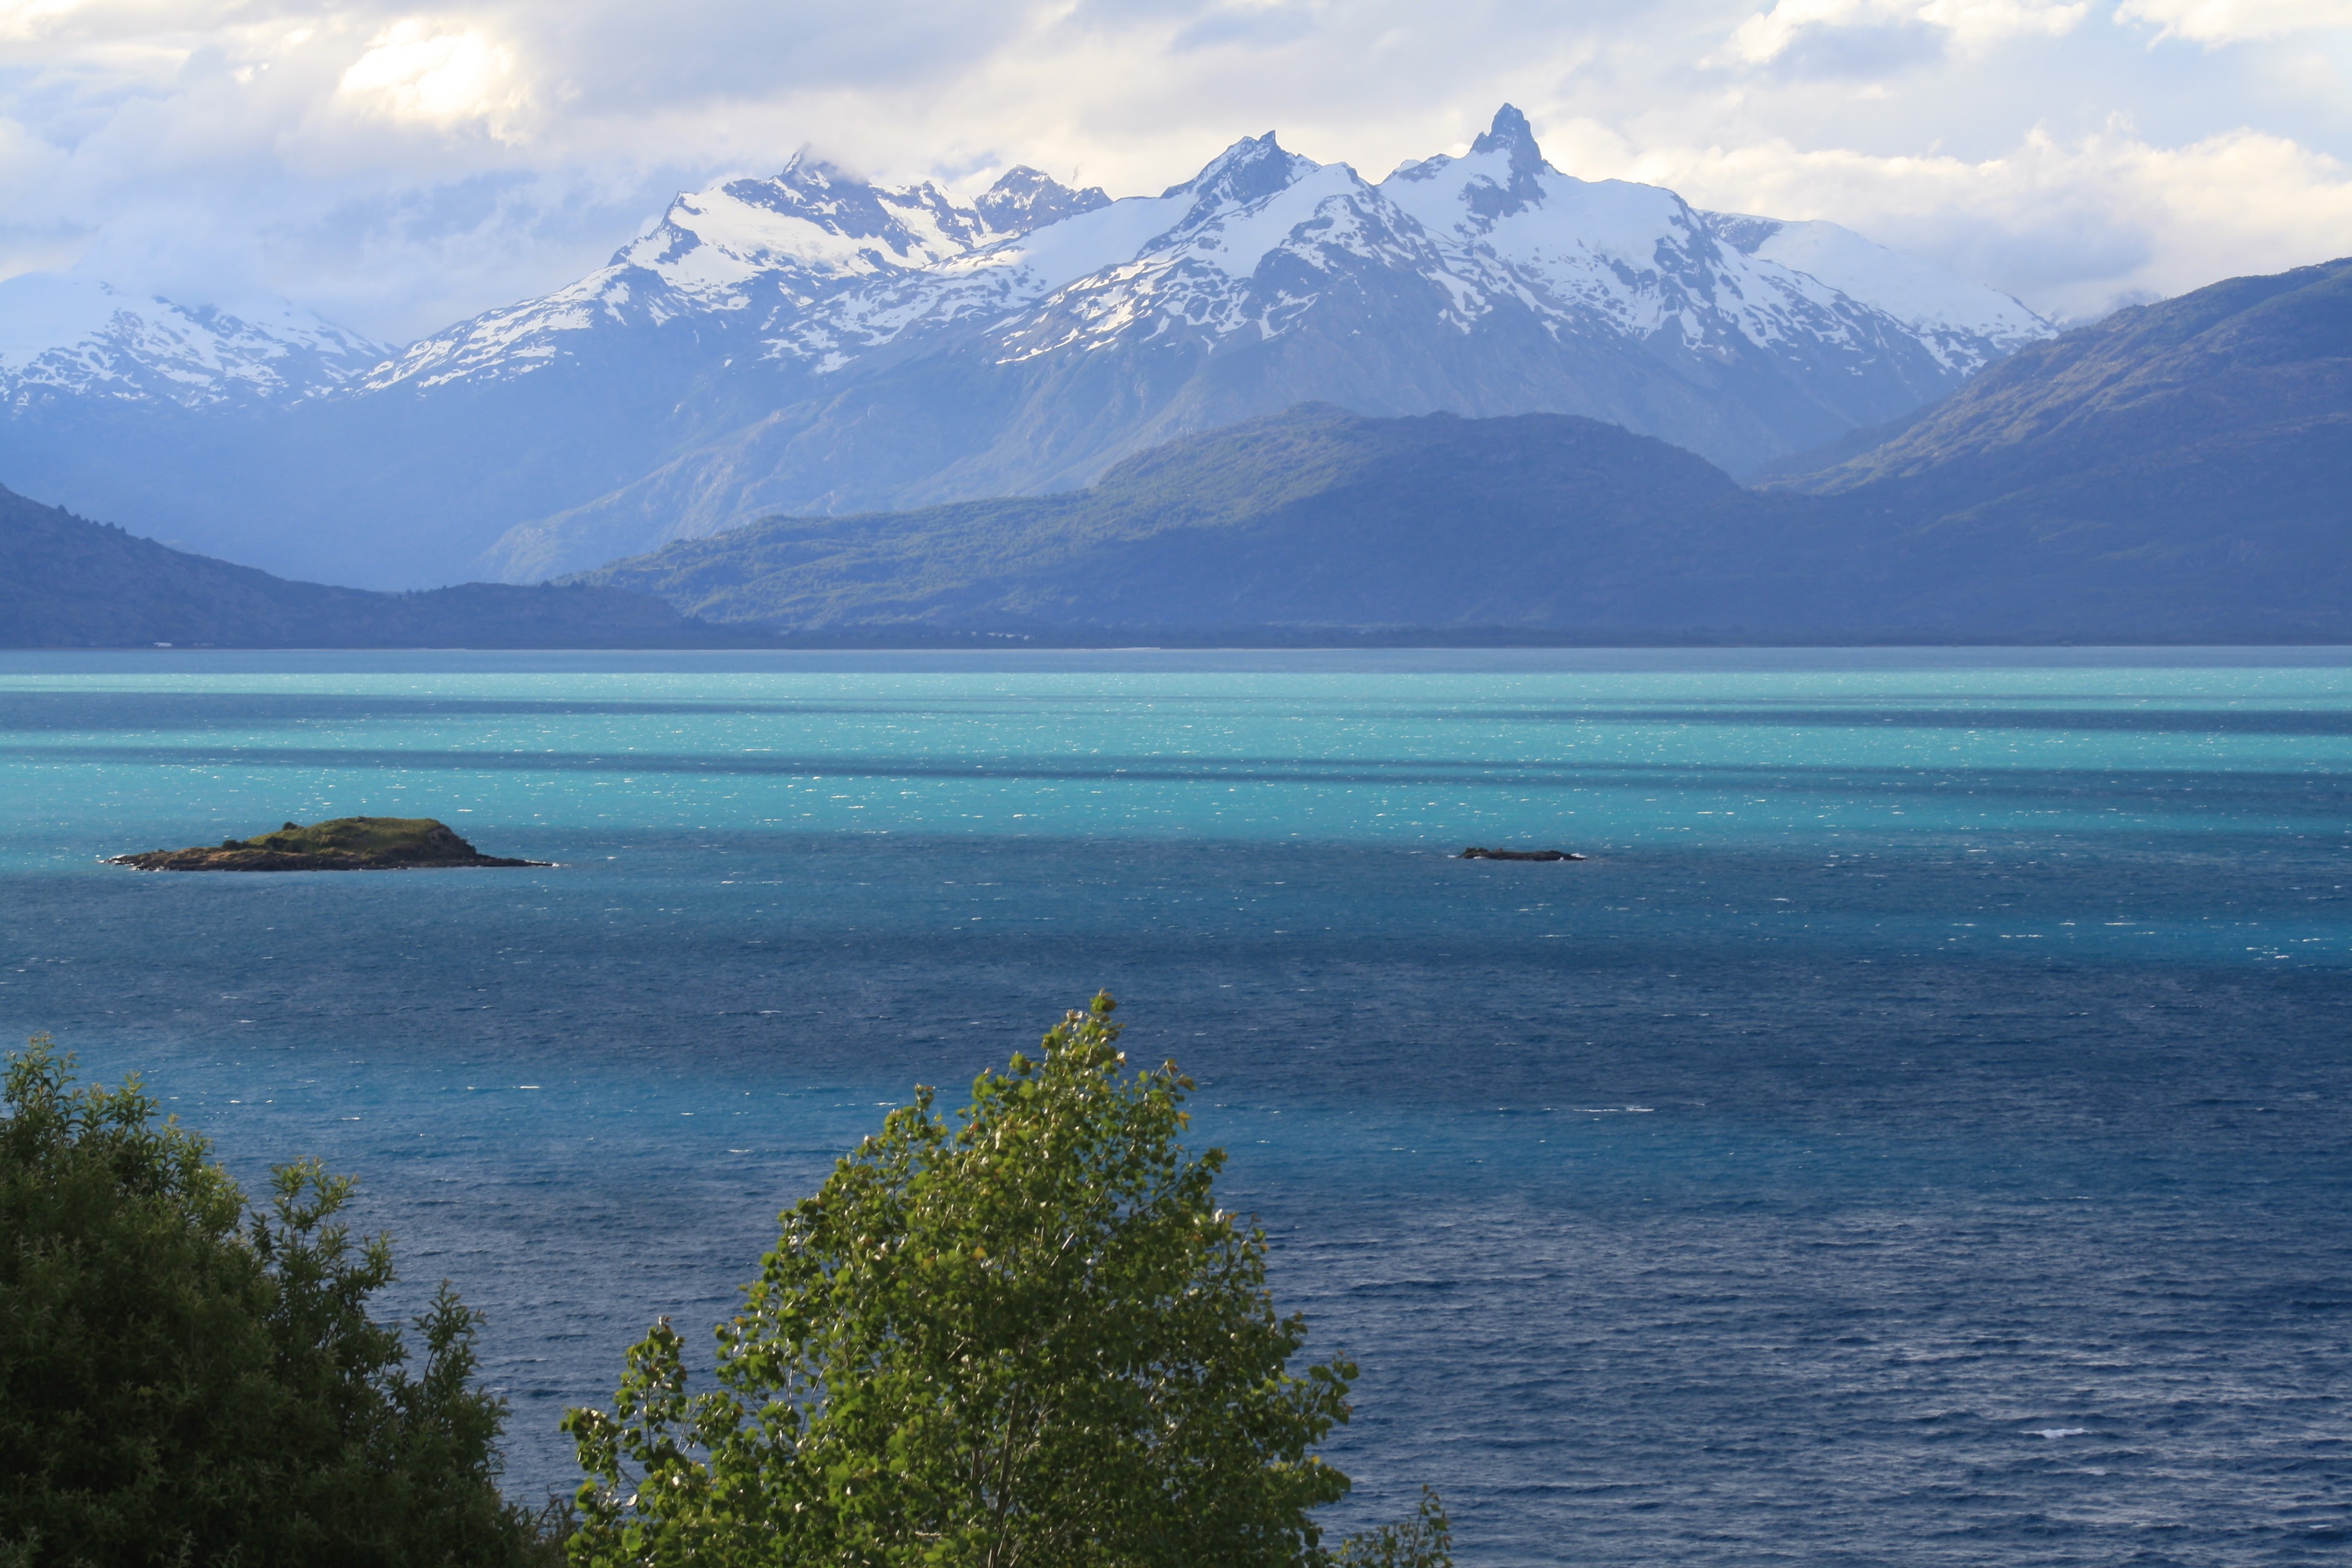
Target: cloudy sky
397,169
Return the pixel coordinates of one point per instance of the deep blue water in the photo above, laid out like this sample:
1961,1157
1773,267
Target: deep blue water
1917,1136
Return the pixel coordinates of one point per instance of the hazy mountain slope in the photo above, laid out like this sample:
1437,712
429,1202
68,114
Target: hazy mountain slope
1965,325
67,583
2195,453
1314,517
1484,285
135,406
1539,523
398,492
2271,354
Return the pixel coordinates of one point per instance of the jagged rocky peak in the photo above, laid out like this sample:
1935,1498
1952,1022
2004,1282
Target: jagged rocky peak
1500,175
821,190
1511,135
1024,199
1251,169
1743,232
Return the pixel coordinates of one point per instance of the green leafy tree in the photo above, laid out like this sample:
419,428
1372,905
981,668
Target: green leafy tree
1026,1338
186,1379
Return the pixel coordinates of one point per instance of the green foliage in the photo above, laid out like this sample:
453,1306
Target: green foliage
186,1379
1025,1337
1425,1538
354,835
349,835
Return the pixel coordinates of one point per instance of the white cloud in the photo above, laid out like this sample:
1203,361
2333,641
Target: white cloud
415,72
2072,226
1973,25
23,19
2234,21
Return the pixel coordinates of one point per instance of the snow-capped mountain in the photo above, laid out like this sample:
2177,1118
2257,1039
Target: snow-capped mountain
75,337
745,256
429,453
1490,283
812,343
1964,324
1497,226
1639,260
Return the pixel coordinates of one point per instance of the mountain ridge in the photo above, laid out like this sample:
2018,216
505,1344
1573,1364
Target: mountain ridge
2246,353
811,342
747,248
1299,502
66,581
1161,333
64,336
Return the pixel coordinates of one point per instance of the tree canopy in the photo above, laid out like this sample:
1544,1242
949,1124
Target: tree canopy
188,1379
1026,1338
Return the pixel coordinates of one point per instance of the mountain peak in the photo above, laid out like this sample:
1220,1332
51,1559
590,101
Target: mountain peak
1024,199
1250,170
808,170
888,228
1511,134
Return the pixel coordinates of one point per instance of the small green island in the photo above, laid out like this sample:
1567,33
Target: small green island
345,844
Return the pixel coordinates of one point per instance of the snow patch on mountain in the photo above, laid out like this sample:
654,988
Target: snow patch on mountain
819,269
987,283
1182,258
1237,237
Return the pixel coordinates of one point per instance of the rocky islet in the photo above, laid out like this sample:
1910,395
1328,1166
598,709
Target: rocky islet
343,844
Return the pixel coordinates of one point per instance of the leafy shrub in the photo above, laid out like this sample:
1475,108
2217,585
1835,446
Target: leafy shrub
186,1379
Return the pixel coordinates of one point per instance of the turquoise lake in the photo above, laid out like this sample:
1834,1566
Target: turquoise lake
1916,1134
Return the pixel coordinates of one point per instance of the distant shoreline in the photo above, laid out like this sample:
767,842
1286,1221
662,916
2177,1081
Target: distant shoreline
1252,640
